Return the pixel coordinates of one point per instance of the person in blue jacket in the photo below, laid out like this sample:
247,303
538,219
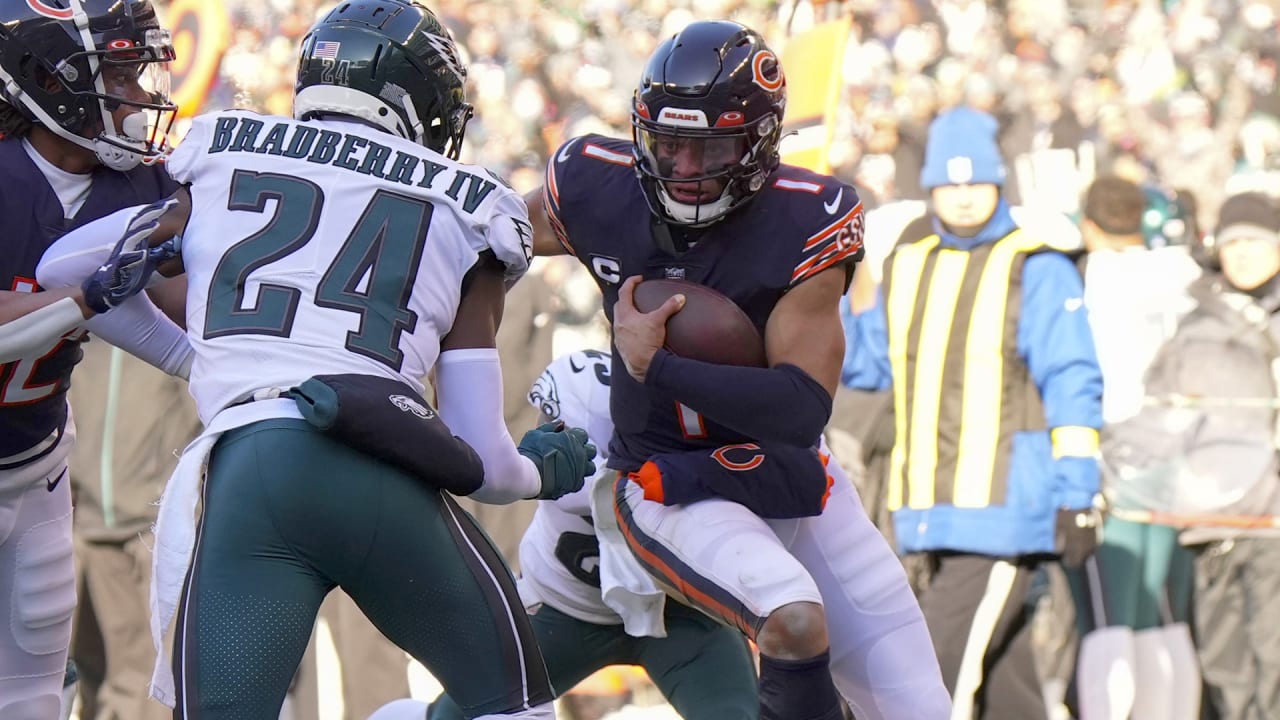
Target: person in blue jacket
980,330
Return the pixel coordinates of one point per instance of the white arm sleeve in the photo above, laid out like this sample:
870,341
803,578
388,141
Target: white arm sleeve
469,393
137,325
35,333
139,328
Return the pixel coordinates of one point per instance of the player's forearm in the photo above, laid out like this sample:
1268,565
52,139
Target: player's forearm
32,323
469,395
778,404
14,305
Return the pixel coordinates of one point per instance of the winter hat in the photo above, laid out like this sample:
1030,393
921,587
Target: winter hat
962,150
1253,215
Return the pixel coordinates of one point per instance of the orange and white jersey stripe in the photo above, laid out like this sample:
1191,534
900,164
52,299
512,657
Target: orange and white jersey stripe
838,242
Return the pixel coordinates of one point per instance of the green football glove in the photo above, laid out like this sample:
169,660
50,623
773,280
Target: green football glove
562,455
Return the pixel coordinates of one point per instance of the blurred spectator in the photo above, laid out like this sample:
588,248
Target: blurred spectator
1258,167
1042,140
132,420
1202,453
1142,571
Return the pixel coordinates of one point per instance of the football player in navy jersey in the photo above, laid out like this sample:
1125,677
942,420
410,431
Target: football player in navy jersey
699,194
83,112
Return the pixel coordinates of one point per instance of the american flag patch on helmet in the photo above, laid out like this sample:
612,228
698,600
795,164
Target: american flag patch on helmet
326,49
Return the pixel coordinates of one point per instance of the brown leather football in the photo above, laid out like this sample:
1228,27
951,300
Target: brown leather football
710,327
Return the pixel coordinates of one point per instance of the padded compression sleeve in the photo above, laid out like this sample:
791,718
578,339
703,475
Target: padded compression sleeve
139,328
35,333
469,395
778,404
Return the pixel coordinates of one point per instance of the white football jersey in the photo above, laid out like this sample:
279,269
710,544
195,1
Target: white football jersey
559,556
326,247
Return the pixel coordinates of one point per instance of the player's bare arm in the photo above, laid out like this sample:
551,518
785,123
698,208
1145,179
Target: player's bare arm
30,322
545,241
805,330
170,225
469,394
480,310
171,297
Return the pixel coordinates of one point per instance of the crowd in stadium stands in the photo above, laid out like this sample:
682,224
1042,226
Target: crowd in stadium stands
1177,96
1176,93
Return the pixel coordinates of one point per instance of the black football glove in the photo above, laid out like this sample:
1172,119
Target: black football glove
562,455
127,270
1076,535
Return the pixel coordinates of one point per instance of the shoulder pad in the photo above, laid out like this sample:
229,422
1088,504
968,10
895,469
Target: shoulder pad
829,213
508,234
569,174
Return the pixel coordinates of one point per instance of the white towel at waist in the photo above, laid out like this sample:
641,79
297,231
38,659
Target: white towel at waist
625,586
175,528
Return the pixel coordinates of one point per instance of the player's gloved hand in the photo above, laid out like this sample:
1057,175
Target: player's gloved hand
127,270
1076,535
562,455
164,252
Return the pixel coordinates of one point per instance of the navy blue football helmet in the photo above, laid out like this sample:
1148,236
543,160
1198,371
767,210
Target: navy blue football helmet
707,121
66,65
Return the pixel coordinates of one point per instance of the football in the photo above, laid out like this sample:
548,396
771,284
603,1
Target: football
710,327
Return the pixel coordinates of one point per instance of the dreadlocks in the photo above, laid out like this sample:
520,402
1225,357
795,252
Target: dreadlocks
12,123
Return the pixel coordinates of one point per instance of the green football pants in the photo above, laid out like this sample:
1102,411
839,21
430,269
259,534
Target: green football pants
704,669
288,514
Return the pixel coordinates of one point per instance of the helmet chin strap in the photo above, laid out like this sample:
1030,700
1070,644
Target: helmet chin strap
113,153
697,215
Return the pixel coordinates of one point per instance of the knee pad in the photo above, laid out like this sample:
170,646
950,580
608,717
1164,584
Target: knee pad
44,588
40,707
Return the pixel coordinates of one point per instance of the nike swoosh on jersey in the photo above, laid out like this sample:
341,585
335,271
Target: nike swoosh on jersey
834,205
564,152
51,484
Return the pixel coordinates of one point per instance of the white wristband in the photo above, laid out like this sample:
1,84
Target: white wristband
33,334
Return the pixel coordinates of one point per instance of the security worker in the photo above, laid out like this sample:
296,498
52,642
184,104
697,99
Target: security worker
980,330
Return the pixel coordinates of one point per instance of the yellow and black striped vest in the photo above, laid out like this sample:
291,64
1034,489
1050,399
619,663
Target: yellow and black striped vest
961,390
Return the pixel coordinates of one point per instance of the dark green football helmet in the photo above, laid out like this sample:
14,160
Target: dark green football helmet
390,63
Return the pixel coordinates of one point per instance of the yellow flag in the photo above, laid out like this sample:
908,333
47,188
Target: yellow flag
813,61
